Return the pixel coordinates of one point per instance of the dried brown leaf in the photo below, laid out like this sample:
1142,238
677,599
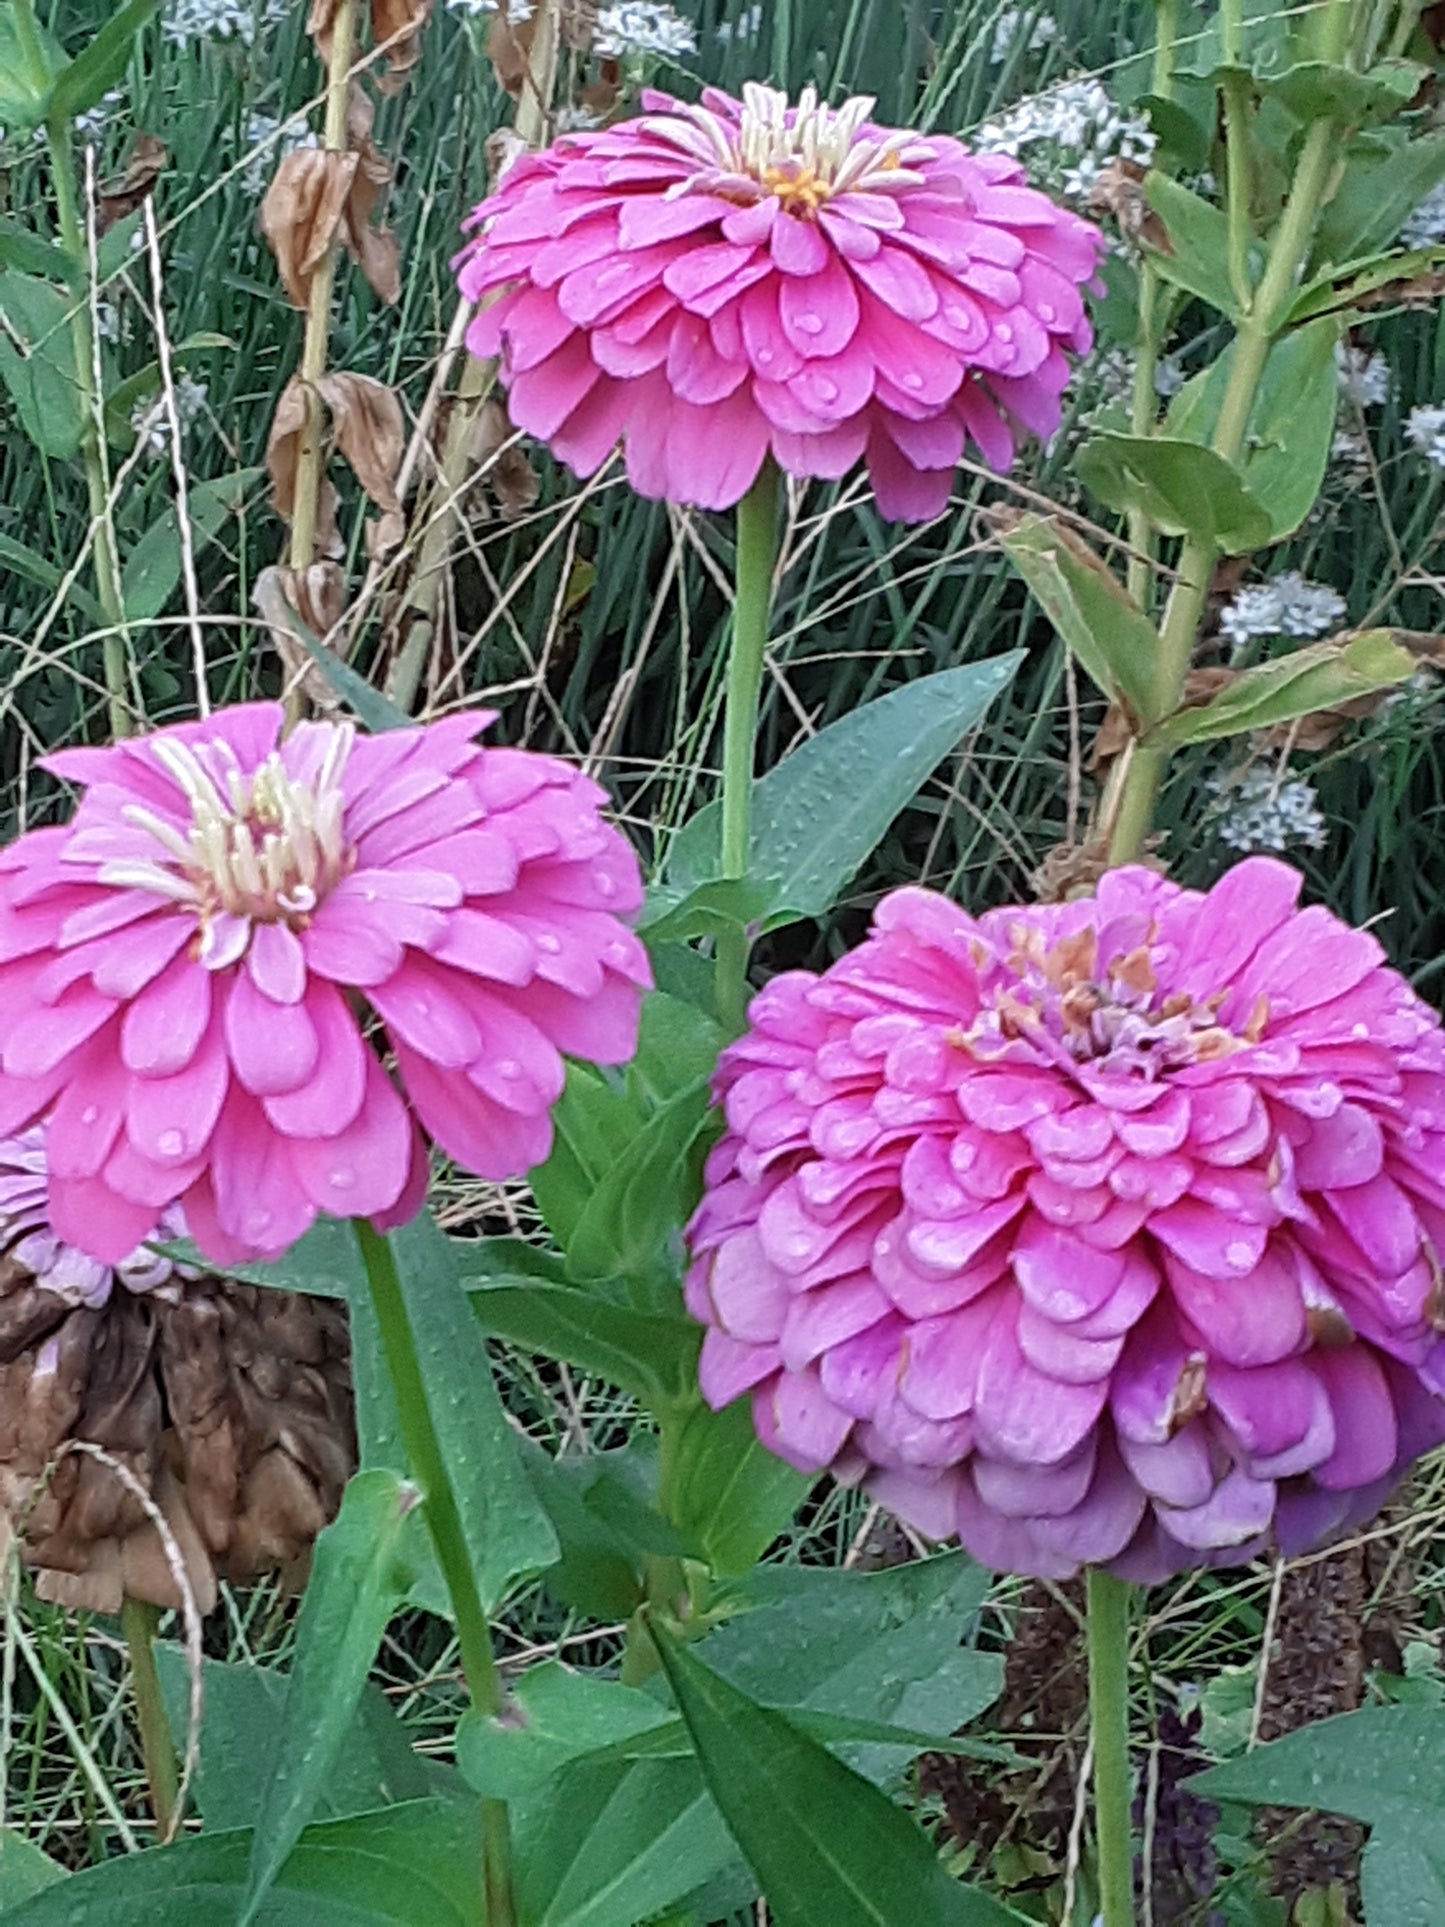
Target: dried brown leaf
318,597
1119,190
370,431
321,25
283,452
137,179
576,24
398,26
373,248
384,534
303,214
509,48
1115,733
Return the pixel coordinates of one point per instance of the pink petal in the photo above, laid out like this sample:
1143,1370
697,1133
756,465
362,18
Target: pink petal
164,1025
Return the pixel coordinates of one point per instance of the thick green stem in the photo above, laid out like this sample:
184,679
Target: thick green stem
1237,90
138,1624
423,1450
1153,310
757,558
116,643
1109,1720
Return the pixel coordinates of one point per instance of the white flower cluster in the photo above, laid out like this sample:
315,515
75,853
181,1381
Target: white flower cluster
1425,427
91,125
1068,135
1426,225
1257,811
1286,605
1042,31
151,421
186,20
518,12
265,151
642,27
1364,375
747,26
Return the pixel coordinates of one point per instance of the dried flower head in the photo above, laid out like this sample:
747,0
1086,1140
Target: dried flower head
716,283
1100,1232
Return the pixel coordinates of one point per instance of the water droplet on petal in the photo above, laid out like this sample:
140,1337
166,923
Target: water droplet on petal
913,380
1047,311
343,1176
810,324
509,1067
826,389
1239,1257
765,357
90,1114
1003,332
550,944
606,885
171,1144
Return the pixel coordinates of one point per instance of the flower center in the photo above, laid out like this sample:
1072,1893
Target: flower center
801,156
262,848
1065,1003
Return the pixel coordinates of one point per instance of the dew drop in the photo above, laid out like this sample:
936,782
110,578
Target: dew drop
826,389
90,1114
1239,1257
765,357
810,324
1360,1030
606,886
171,1144
1047,311
913,380
422,1007
1003,332
343,1176
548,943
509,1067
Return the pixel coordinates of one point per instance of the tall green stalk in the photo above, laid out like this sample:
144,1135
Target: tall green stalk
1108,1636
138,1625
423,1450
757,559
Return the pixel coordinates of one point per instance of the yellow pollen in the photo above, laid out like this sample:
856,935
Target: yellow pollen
802,193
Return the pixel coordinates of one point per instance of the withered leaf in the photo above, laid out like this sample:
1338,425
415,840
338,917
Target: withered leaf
123,195
507,471
318,597
303,212
398,25
1200,686
509,48
1119,190
321,25
374,249
370,432
283,452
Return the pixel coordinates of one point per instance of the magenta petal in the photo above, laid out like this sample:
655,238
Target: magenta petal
1059,1277
1236,1511
328,1101
274,1047
1253,1320
728,1368
944,1356
362,1169
86,1213
1021,1413
1365,1428
170,1119
797,1420
277,963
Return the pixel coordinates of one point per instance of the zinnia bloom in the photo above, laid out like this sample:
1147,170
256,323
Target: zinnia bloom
229,1404
1103,1232
203,975
716,282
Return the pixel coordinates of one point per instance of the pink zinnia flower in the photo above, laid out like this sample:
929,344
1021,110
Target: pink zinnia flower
716,282
203,973
1099,1233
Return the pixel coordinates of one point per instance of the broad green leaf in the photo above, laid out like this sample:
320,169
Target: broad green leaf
635,1213
37,363
553,1716
362,1570
676,1044
99,64
24,1869
1385,177
837,1730
591,1123
600,1570
153,568
1184,122
507,1532
1090,608
823,810
1291,424
373,1767
1342,290
828,1849
1316,90
653,1355
1198,257
29,64
728,1494
40,570
416,1862
1320,676
1183,489
729,903
21,248
615,1843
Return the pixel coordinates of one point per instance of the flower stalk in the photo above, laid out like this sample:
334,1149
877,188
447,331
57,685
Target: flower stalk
1108,1640
138,1624
757,550
424,1453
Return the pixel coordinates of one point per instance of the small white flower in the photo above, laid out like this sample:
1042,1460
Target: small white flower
1286,605
518,12
265,150
747,26
91,125
1041,28
575,120
188,20
1425,427
1168,375
1068,135
151,421
642,27
1259,811
1364,375
1350,451
110,323
1426,226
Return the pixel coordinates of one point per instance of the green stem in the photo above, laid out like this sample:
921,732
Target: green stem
424,1453
1153,309
1108,1633
757,558
1235,87
138,1623
116,644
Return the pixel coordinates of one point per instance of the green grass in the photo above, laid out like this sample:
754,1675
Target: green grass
597,623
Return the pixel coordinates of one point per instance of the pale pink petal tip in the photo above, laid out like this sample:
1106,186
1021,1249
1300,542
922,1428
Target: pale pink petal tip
254,977
1102,1233
716,284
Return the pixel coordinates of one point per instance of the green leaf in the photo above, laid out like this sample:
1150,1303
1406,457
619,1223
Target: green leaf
24,1869
100,64
1198,257
600,1570
553,1716
729,903
650,1354
823,810
591,1123
507,1531
40,570
378,712
374,1766
1342,290
1385,1766
23,249
730,1496
636,1210
1384,179
1185,125
26,76
1315,90
364,1567
1182,488
828,1849
153,568
1291,423
1321,676
37,365
416,1862
1090,608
